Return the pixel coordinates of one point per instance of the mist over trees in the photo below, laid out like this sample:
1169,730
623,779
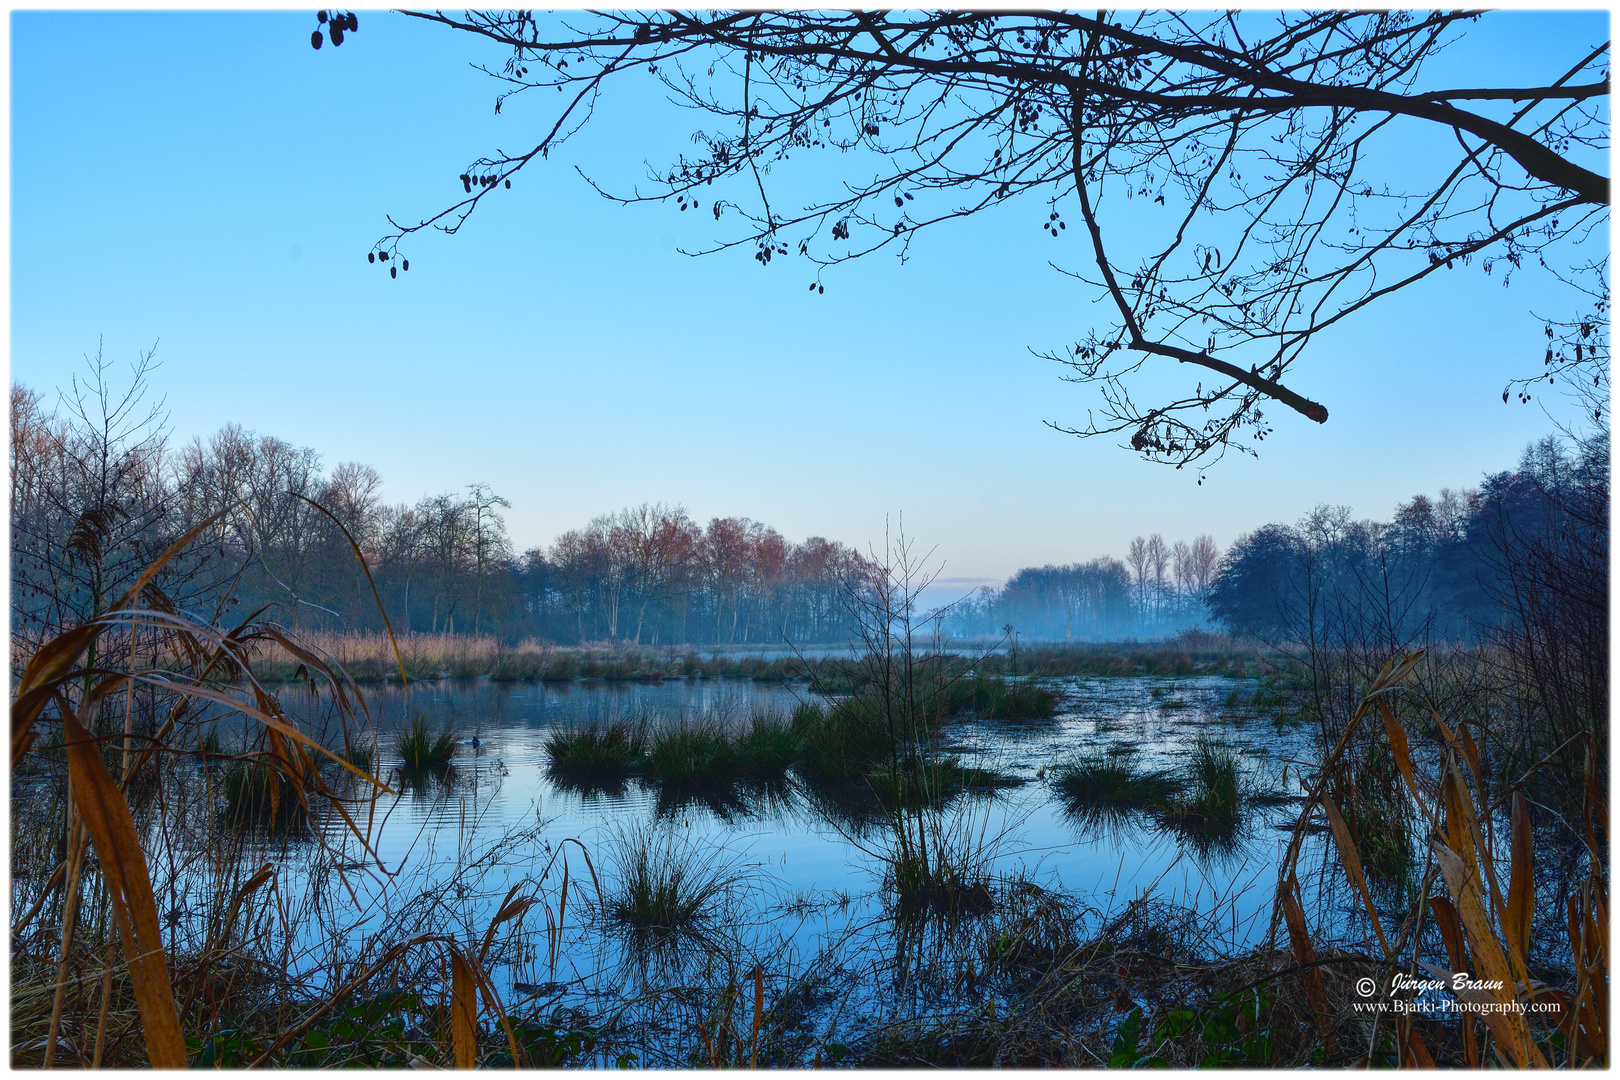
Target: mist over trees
1461,567
98,491
1157,592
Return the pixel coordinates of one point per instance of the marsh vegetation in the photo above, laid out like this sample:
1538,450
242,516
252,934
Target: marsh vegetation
228,850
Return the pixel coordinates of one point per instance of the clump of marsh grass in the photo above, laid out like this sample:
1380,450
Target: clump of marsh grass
362,754
1213,791
1110,786
939,862
598,749
842,741
693,754
992,698
664,885
769,747
420,747
260,797
932,779
1112,781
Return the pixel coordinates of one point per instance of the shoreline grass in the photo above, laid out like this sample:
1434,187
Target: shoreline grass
370,658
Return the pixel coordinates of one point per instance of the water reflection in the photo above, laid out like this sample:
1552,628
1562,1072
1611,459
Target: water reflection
815,855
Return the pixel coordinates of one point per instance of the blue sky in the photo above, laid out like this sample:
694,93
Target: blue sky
210,183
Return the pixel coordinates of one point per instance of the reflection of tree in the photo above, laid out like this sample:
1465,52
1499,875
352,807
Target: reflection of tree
1268,159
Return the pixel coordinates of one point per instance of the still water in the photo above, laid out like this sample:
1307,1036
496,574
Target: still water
810,878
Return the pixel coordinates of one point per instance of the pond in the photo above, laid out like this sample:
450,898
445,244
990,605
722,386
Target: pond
805,878
799,853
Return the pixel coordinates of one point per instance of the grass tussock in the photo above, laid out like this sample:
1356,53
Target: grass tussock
663,885
1112,781
600,749
700,753
990,698
693,754
362,754
1212,792
259,796
420,747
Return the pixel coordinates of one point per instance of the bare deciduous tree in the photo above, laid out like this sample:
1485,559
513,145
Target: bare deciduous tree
1267,160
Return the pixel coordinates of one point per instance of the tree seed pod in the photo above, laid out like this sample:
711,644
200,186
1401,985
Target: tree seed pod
354,22
320,16
383,255
371,256
404,264
315,39
337,33
509,185
393,271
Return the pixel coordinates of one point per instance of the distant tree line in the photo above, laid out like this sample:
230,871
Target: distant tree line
1158,591
1452,568
98,492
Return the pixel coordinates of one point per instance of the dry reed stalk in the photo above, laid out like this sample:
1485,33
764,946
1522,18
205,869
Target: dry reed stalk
1486,931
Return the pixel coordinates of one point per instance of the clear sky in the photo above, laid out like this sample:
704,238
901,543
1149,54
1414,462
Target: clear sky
210,183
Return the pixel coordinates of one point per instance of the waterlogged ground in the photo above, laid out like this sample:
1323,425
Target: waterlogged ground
809,871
